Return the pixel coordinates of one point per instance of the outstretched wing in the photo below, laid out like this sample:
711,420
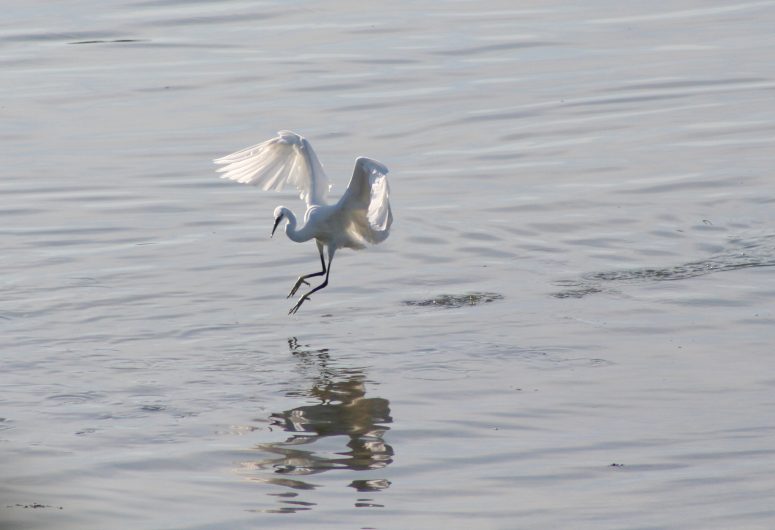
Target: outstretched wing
285,159
365,205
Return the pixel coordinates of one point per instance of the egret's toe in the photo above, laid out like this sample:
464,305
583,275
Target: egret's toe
296,286
295,308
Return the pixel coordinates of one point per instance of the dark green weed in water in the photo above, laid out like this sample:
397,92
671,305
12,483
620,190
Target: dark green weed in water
456,300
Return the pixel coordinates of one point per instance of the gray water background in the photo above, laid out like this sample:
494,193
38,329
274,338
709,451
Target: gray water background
571,325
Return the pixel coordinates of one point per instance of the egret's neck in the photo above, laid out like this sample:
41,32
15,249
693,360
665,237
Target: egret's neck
291,230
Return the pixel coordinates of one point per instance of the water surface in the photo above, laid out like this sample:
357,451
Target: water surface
570,326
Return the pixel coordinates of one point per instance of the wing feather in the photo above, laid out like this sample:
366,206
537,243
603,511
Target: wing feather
286,159
365,205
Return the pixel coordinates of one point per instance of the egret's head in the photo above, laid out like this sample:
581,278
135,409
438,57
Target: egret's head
279,215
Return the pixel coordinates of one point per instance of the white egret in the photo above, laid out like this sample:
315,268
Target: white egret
362,215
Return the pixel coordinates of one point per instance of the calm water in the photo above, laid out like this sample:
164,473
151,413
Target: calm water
571,325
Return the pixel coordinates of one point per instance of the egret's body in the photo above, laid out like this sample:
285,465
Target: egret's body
362,215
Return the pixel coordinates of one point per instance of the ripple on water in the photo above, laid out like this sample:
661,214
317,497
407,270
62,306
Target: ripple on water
105,41
74,398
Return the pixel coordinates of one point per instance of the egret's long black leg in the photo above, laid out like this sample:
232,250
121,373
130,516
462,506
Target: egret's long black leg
303,279
306,296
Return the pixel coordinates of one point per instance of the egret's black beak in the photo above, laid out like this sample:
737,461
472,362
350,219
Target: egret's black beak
276,222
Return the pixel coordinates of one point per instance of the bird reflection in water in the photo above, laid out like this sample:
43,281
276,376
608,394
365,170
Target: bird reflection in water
342,409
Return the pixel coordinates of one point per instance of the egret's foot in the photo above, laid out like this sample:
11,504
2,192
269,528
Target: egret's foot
300,281
295,308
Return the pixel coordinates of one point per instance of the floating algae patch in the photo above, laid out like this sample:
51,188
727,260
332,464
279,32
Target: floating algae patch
456,300
753,253
689,270
581,292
